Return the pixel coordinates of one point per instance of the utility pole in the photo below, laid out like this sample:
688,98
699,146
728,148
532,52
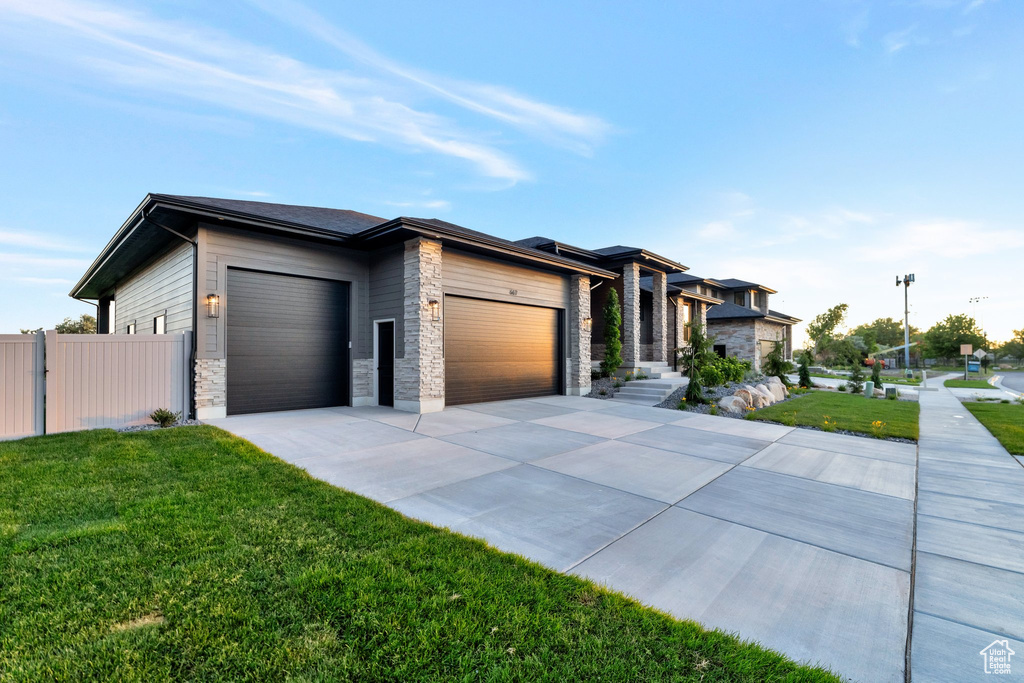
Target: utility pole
907,279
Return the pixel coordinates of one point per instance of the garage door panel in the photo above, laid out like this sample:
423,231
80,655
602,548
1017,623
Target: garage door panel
287,342
496,351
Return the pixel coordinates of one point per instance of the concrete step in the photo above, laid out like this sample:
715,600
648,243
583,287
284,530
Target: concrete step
665,375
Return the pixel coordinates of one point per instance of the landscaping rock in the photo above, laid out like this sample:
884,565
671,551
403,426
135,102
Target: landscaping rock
732,404
763,390
748,398
778,391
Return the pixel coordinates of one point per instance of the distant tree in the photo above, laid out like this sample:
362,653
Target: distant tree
944,338
1013,348
823,331
612,334
86,324
885,332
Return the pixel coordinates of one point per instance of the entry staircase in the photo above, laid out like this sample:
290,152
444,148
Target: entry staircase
661,381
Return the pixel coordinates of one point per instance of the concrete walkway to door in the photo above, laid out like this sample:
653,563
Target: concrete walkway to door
969,578
797,539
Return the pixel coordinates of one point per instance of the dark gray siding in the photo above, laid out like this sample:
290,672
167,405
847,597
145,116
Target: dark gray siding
387,291
477,276
163,286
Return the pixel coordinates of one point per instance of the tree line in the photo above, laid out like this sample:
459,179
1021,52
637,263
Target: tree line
941,341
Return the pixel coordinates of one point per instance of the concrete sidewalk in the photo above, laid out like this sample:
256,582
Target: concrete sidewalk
969,559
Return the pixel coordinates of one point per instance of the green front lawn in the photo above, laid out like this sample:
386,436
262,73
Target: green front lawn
968,384
853,412
189,554
1005,421
867,376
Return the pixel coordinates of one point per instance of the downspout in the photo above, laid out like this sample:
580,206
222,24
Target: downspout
193,352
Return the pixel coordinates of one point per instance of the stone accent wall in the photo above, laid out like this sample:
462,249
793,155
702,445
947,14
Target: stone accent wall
362,381
659,318
579,337
630,315
211,387
738,337
766,331
419,376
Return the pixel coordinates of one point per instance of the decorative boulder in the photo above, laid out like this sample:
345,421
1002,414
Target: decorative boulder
777,389
747,396
763,390
732,404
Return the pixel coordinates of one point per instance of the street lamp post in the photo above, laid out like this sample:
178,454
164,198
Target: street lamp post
907,279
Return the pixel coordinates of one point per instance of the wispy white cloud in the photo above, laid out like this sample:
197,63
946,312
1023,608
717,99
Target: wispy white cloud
38,240
139,51
898,40
579,132
439,204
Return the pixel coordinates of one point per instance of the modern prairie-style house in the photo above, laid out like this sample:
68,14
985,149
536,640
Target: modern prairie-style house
301,307
743,324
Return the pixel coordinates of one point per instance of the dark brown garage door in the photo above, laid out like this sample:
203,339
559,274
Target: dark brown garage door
287,342
495,351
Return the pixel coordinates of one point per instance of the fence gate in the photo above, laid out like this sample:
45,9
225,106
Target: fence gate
21,385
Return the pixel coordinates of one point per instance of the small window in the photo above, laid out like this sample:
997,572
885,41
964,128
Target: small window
720,350
738,299
159,324
686,311
131,328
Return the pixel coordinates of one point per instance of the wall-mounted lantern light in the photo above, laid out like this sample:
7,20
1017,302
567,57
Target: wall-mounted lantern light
435,309
588,324
213,306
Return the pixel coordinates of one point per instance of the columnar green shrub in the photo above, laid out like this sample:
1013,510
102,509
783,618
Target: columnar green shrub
695,358
805,371
876,374
856,379
612,334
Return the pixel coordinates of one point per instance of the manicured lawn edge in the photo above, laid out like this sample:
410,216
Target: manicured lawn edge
850,412
968,384
1004,421
191,554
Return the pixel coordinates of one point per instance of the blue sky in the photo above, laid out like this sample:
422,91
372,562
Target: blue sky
820,148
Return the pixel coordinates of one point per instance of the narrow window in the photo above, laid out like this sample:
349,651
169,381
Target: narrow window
737,298
159,324
687,313
131,328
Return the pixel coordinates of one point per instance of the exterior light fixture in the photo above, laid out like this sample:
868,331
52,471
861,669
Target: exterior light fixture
213,306
588,324
435,309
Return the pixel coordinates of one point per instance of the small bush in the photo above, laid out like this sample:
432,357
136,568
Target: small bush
856,379
805,371
776,365
618,384
713,410
640,376
878,429
841,387
893,396
1005,400
829,425
164,417
682,404
876,373
603,392
629,377
711,376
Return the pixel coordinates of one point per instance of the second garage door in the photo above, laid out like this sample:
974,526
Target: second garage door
495,351
287,342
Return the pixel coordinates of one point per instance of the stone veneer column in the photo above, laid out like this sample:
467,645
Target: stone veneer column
419,377
211,388
659,318
680,327
579,337
631,315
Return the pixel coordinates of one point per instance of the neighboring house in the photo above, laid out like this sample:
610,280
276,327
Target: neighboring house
301,307
655,311
744,325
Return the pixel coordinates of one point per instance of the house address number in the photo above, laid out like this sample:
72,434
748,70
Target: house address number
513,292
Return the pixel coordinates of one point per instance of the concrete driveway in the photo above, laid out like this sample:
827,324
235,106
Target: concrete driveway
797,539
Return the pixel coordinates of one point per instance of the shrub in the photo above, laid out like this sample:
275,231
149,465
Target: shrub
682,404
829,425
1005,400
805,371
618,384
878,429
732,368
603,392
695,357
856,379
711,376
841,387
612,334
164,417
876,374
640,375
776,365
713,410
893,396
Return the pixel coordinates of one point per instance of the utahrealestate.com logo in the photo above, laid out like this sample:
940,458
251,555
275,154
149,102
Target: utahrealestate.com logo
997,657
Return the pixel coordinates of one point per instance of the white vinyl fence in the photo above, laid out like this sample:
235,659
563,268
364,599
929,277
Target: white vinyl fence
21,385
105,380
